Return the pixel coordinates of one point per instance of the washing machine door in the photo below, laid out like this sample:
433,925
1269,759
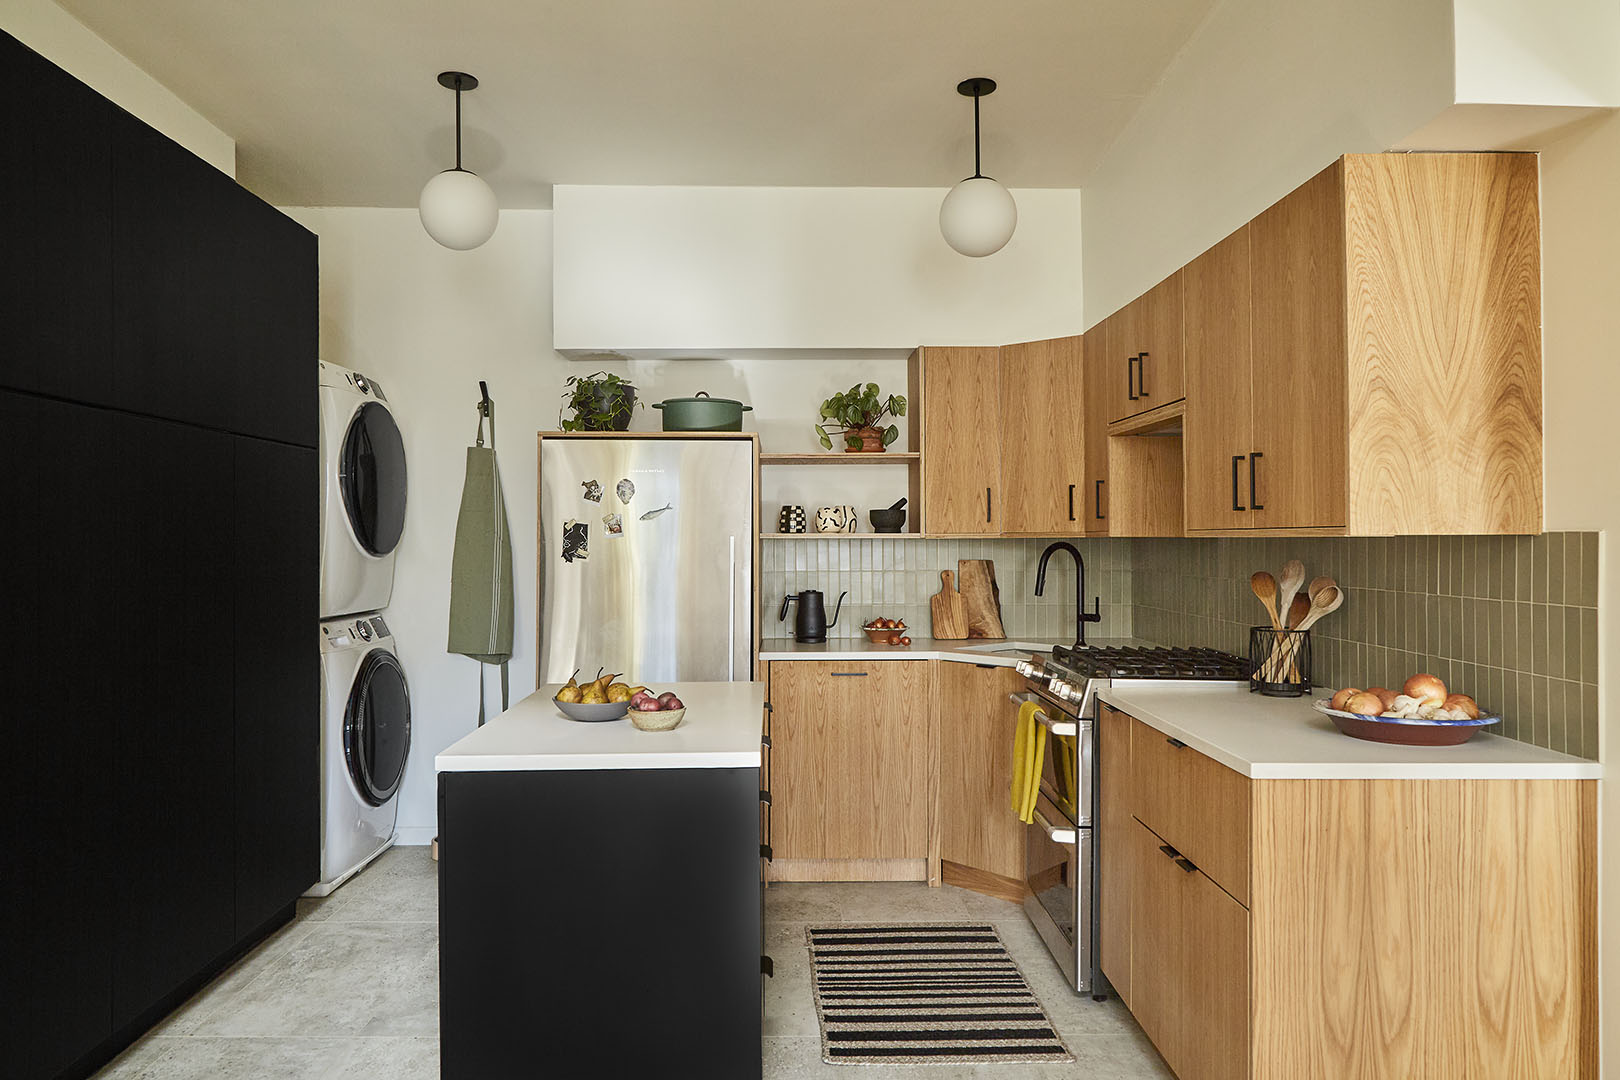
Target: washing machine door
377,727
371,476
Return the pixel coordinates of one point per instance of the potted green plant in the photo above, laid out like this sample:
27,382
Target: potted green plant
856,415
601,402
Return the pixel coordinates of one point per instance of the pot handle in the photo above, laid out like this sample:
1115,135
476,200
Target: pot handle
704,394
701,393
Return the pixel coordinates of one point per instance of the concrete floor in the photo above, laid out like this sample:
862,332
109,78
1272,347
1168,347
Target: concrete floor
349,991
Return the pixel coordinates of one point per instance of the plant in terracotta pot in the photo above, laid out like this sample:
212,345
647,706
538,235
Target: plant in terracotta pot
601,402
856,415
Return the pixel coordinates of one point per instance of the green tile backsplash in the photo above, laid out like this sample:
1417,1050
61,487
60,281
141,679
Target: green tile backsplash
1511,620
895,578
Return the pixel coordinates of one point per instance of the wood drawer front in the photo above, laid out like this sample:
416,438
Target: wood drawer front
1199,806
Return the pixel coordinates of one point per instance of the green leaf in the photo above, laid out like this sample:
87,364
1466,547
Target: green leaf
899,405
891,433
826,440
853,441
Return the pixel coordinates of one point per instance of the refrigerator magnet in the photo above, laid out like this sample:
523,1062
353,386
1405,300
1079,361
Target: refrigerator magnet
593,490
625,490
614,524
649,515
576,541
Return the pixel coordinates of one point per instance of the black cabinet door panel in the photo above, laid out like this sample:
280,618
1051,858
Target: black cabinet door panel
56,218
275,332
277,695
175,910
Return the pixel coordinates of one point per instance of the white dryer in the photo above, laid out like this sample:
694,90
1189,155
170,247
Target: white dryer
365,742
362,493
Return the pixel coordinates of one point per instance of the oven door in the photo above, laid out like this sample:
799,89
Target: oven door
1058,872
1066,767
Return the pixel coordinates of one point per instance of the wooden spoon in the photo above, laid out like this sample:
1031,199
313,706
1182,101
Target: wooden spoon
1318,584
1265,588
1288,584
1323,603
1297,611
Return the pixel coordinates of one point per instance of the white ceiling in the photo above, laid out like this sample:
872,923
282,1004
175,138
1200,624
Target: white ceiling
335,102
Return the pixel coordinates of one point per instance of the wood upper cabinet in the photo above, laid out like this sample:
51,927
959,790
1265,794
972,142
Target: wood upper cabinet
1144,368
1043,449
977,827
961,421
850,776
1094,388
1218,428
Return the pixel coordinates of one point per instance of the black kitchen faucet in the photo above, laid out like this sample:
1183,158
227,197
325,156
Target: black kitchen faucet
1081,615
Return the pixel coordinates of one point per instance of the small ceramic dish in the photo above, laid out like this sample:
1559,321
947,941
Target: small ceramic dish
596,713
662,720
1403,732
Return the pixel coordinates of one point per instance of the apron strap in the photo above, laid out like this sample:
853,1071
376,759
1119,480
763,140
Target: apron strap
491,414
506,691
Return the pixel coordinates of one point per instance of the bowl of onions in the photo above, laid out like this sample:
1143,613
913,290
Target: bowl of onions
887,632
1424,713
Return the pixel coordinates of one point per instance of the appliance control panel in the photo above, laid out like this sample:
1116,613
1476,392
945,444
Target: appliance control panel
378,625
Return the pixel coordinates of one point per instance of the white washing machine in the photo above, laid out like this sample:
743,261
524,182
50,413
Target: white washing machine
362,493
365,742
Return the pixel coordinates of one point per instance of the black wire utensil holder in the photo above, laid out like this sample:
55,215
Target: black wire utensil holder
1282,661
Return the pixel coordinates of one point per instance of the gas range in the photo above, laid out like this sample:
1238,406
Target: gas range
1075,674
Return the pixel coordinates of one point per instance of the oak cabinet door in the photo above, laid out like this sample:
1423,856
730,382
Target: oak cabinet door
977,826
1160,378
1098,367
1043,451
1218,430
1115,826
849,759
961,440
1116,376
1297,459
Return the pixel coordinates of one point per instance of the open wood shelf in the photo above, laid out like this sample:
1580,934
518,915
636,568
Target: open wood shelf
843,536
839,458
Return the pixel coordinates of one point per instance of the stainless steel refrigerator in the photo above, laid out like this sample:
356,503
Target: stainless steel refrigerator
647,557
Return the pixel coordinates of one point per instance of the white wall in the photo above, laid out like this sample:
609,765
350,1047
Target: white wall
732,269
72,46
430,323
1265,94
1581,338
1549,52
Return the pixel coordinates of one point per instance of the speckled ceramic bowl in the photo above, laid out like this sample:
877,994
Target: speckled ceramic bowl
662,720
597,713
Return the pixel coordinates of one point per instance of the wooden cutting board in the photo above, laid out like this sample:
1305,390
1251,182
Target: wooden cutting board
949,610
977,578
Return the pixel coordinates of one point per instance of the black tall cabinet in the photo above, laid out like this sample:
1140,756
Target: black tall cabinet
160,567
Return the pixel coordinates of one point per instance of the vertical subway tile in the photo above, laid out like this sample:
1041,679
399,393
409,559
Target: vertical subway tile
1538,639
1540,553
1588,725
1556,568
1555,642
1589,571
1589,645
1572,645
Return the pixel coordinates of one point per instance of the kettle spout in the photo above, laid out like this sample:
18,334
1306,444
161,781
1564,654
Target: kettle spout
836,609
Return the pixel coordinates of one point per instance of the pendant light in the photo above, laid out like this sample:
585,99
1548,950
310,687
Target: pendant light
458,208
978,215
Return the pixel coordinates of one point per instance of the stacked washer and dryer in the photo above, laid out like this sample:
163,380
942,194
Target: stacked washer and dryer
365,702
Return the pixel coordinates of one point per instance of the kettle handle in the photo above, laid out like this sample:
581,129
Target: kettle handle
836,609
786,600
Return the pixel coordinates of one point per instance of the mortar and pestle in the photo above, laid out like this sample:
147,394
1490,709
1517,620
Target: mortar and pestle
891,520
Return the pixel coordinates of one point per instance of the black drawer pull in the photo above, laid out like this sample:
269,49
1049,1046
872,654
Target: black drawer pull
1141,375
850,674
765,741
1130,375
1071,502
1186,865
765,797
1096,497
1170,851
1254,494
766,968
767,706
765,852
987,504
1177,743
1236,458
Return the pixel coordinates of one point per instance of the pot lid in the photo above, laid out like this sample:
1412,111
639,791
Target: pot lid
703,396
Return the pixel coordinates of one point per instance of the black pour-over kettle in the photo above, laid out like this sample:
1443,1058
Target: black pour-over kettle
810,625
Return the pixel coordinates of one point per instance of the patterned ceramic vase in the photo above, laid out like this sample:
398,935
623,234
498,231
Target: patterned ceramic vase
835,519
790,520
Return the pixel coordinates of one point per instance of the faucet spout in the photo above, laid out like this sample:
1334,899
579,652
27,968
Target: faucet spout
1081,615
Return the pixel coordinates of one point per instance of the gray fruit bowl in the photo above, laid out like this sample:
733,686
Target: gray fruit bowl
593,714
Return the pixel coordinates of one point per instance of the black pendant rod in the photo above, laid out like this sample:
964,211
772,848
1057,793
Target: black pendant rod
976,88
458,123
458,81
977,169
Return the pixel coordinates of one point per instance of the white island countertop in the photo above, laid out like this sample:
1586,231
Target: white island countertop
721,730
1269,738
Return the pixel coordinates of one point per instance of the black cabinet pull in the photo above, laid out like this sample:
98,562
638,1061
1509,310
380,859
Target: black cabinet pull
850,674
1169,851
765,741
766,967
1177,743
1235,504
1130,375
1254,498
987,504
1141,374
1185,865
1071,502
1096,498
765,852
765,797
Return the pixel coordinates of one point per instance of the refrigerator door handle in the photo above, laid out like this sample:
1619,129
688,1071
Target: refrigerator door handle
731,612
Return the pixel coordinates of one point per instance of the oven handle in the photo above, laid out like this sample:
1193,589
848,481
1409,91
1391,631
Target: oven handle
1056,727
1053,833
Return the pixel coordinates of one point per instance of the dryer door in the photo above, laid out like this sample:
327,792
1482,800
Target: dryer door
377,727
371,475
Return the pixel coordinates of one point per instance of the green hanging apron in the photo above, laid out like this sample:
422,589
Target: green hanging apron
481,567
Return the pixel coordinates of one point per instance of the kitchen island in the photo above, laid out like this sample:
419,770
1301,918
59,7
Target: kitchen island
599,895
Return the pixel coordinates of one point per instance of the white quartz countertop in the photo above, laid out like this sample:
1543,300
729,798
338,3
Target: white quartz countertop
967,651
1271,738
721,730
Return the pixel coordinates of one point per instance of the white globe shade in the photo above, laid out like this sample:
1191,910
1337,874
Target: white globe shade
978,217
459,209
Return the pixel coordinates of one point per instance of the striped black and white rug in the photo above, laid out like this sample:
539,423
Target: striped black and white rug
925,992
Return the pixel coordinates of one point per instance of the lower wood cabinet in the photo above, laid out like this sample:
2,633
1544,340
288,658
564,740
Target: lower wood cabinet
851,774
1334,929
978,831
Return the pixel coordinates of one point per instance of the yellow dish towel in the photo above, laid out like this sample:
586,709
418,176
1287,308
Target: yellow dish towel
1029,752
